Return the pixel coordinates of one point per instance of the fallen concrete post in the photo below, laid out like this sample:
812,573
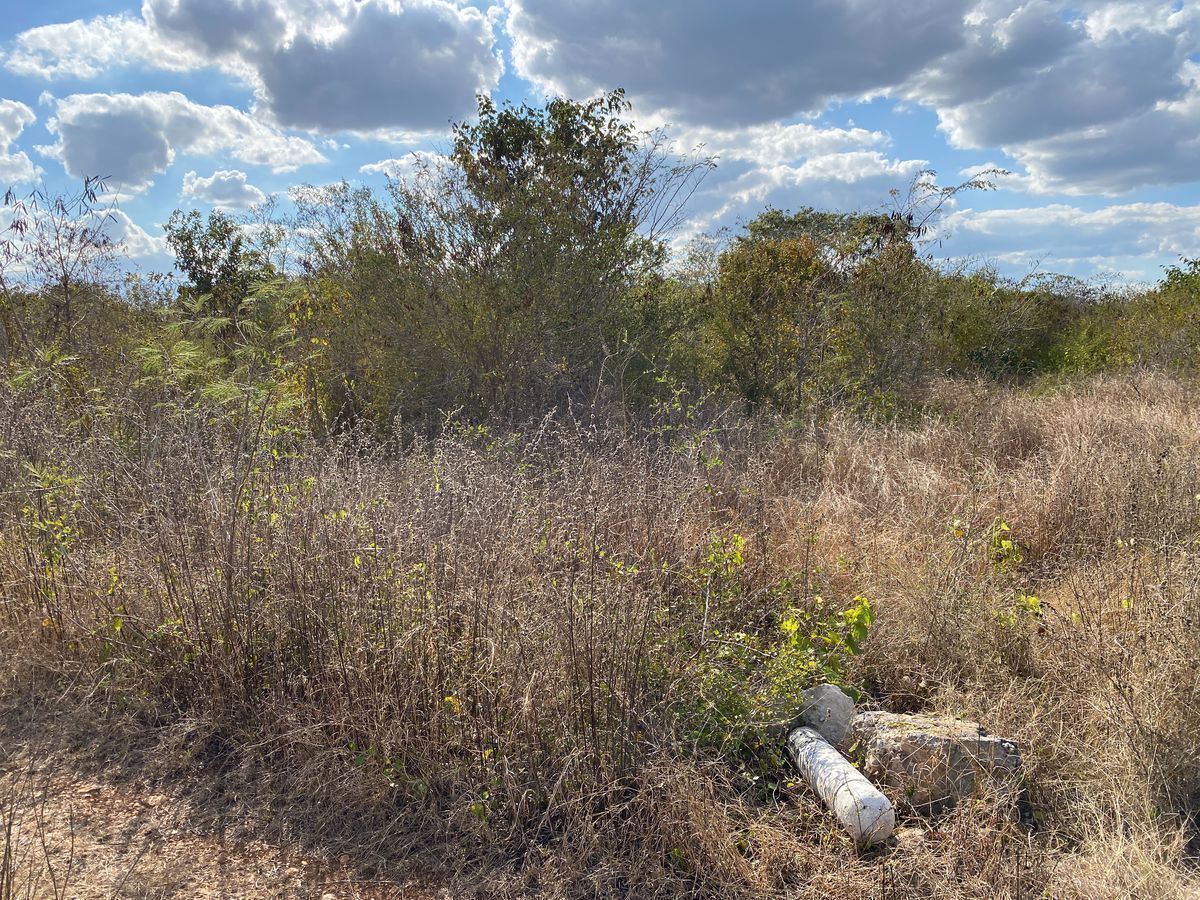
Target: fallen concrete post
856,803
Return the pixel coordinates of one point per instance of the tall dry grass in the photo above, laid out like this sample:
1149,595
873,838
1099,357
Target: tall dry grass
481,646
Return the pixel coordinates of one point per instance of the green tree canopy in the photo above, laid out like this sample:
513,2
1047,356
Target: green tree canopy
217,260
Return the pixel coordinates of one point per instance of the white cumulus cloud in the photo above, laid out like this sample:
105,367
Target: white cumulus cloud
86,49
131,238
325,65
1064,238
404,166
791,165
15,165
129,139
1099,100
225,189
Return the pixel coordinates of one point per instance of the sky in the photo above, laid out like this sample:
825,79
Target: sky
1093,107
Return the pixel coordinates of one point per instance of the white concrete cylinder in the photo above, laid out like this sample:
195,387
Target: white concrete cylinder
857,804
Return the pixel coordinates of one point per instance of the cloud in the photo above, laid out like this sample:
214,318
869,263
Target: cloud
1157,146
82,49
327,65
225,189
849,181
1101,101
852,180
222,27
15,165
127,237
132,239
1095,84
776,142
128,139
1087,96
404,166
1145,234
414,66
1013,181
789,165
718,63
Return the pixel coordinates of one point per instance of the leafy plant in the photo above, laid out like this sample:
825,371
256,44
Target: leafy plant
1003,552
50,516
746,684
1024,608
817,642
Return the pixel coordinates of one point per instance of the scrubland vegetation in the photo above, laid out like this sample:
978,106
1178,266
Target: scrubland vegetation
468,524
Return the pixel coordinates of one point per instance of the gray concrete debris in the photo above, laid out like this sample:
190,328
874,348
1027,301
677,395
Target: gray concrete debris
829,710
931,762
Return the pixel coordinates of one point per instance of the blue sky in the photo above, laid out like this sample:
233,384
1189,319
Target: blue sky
1093,106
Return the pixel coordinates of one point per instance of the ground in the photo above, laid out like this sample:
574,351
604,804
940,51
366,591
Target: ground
78,836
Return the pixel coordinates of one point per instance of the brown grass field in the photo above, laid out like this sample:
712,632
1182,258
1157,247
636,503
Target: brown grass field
488,659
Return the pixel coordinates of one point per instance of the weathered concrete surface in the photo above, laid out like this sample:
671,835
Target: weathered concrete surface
858,805
931,762
829,710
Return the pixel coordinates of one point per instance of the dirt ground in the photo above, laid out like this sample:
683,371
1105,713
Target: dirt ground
65,835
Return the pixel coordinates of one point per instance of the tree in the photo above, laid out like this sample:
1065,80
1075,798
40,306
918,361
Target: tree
1162,327
217,260
829,305
770,317
498,279
558,213
54,252
844,239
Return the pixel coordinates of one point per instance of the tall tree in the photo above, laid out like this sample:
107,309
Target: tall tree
220,264
508,263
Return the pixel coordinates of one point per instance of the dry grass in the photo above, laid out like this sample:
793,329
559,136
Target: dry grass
73,836
479,648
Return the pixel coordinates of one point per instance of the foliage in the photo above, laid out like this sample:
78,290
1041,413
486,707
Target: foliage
254,373
575,645
215,256
497,280
476,512
1003,552
527,273
55,256
845,239
747,685
768,326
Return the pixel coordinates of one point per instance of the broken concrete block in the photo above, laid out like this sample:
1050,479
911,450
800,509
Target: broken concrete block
931,762
828,710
